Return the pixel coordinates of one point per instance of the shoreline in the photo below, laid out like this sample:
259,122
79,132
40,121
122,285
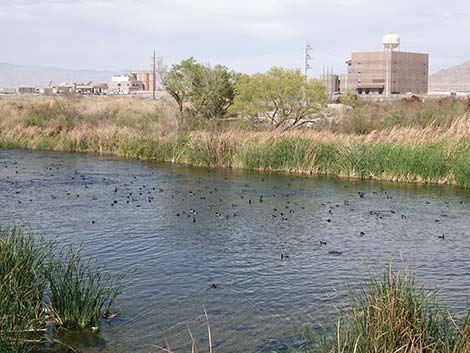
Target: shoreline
403,142
426,164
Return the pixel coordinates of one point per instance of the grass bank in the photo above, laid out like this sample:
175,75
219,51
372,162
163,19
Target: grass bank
392,314
44,287
419,152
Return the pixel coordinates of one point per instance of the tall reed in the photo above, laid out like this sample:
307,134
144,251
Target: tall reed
22,286
392,314
80,291
40,285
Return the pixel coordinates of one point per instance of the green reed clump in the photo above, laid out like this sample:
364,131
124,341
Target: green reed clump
22,286
357,159
139,147
289,154
33,271
150,148
210,151
387,160
461,169
392,314
79,291
460,163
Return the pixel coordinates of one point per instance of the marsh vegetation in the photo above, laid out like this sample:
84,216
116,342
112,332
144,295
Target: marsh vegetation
401,141
393,313
44,287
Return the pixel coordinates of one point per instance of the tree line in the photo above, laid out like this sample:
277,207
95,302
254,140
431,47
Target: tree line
280,98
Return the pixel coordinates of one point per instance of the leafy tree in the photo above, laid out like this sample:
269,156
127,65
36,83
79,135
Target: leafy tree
181,79
199,89
285,97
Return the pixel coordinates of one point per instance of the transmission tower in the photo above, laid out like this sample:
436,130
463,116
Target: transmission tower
154,75
307,57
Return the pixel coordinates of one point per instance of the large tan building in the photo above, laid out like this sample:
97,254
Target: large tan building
386,72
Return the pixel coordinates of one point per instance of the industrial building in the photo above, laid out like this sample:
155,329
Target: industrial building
64,88
386,72
131,83
136,83
91,88
331,82
124,84
26,90
147,78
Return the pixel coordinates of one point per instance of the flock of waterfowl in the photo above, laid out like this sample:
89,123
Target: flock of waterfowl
209,199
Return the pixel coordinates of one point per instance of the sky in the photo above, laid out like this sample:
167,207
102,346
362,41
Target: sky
245,35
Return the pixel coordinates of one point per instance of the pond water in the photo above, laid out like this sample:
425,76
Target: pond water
178,231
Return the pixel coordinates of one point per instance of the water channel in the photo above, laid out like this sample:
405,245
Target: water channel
189,238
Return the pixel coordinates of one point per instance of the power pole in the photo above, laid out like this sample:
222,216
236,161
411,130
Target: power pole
154,75
307,58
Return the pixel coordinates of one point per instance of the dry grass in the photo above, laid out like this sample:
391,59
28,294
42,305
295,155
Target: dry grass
424,146
194,343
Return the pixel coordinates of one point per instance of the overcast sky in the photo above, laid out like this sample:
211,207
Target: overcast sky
246,35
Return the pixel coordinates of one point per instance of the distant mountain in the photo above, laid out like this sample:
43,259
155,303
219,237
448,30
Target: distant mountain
455,78
12,76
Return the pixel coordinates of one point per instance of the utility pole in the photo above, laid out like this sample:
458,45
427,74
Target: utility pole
307,58
154,73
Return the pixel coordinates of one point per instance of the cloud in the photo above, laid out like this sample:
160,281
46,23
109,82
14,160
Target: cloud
251,35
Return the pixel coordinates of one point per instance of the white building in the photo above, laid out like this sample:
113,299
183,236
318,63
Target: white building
124,84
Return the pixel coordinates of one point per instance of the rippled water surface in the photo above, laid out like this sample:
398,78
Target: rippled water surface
176,231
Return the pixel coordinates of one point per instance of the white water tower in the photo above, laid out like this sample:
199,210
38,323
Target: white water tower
390,42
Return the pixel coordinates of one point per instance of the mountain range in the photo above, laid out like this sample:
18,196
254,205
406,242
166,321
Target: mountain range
12,76
455,78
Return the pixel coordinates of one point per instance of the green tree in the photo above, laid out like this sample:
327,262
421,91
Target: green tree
285,97
200,90
181,80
